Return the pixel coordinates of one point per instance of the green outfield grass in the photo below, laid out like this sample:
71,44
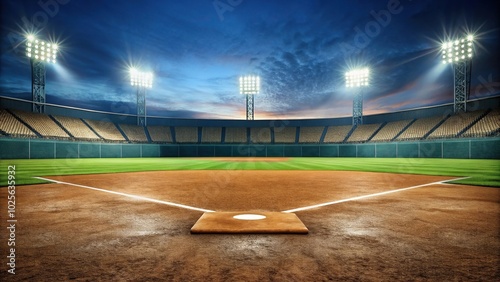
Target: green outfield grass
481,172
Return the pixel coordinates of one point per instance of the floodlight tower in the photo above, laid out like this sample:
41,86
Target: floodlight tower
250,86
40,53
142,81
357,78
459,54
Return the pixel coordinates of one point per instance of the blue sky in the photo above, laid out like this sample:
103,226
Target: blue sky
198,49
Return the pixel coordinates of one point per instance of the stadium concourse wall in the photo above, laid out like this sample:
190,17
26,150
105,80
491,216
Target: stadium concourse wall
485,148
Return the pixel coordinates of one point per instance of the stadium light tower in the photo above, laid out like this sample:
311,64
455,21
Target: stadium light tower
40,53
250,86
142,81
459,54
357,78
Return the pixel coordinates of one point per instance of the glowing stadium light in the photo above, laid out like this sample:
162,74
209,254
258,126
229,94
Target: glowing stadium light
249,84
458,50
357,78
141,79
40,50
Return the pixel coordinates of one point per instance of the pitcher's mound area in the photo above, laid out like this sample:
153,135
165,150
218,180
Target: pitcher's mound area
251,222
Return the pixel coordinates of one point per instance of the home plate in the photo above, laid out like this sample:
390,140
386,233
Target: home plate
249,222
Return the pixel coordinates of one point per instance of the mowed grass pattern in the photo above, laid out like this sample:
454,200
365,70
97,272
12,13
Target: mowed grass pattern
481,172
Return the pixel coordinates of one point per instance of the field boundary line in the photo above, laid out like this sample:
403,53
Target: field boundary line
372,195
127,195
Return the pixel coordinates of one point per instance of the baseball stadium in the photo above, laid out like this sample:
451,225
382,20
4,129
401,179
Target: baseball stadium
101,195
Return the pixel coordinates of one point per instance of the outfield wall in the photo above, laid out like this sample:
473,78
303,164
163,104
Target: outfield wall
486,148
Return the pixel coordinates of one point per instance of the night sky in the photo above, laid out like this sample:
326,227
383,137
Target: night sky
197,49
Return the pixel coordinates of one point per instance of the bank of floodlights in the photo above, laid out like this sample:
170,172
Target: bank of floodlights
40,53
357,78
141,79
41,50
250,86
458,50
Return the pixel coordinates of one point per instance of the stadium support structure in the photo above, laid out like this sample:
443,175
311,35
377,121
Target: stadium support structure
459,53
357,108
461,85
357,79
39,52
250,107
250,86
38,85
142,81
141,106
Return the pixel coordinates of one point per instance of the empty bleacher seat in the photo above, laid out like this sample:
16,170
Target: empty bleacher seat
311,134
77,128
43,124
456,123
186,134
390,130
260,135
106,130
211,134
419,128
285,134
486,126
363,132
337,134
134,133
236,135
11,126
160,134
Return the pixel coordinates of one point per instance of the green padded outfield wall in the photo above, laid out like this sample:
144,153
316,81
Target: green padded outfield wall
486,148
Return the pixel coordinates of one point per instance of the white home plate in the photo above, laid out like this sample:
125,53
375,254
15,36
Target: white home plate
259,222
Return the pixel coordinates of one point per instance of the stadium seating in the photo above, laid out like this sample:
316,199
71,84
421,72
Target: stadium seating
419,128
337,134
236,135
43,124
211,135
186,134
106,130
456,123
363,132
285,134
486,126
135,133
160,134
77,128
390,130
311,134
11,126
260,135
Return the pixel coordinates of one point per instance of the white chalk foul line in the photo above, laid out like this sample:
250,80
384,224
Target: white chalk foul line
371,195
127,195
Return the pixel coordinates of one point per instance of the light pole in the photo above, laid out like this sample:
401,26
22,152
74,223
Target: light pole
40,53
459,54
357,79
142,81
250,86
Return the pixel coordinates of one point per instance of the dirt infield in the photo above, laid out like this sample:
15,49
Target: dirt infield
434,231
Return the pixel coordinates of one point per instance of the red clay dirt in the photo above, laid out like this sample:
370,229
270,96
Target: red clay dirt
438,232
